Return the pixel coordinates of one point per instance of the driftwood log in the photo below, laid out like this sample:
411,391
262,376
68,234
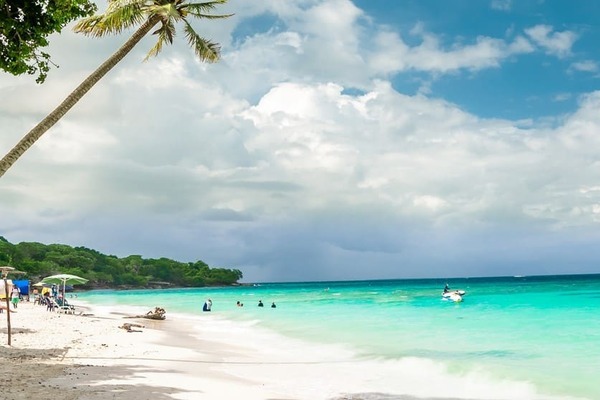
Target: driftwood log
157,313
129,327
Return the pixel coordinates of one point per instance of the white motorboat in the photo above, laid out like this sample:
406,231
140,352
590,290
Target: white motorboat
453,295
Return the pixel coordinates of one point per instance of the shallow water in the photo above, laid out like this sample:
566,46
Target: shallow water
544,331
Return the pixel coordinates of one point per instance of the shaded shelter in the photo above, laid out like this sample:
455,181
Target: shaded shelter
23,285
64,280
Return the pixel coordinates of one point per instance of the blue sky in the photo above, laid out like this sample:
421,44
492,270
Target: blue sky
519,88
515,88
335,139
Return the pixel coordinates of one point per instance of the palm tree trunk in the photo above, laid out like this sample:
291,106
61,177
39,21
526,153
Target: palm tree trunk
30,138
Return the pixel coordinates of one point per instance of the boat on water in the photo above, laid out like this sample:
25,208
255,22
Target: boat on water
453,295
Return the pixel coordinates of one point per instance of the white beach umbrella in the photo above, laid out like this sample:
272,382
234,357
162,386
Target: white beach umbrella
64,279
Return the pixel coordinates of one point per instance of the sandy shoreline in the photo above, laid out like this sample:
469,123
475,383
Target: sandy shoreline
89,357
55,355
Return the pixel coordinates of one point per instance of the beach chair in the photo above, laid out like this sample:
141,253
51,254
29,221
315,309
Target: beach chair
61,305
48,302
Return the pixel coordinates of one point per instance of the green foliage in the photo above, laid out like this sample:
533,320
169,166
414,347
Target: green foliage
25,26
6,252
39,260
121,15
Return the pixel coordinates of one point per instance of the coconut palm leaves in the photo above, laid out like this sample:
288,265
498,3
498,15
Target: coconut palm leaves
122,14
119,16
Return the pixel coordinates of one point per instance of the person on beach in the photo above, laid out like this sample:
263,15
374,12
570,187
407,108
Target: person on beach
15,296
15,301
273,305
48,302
260,303
207,305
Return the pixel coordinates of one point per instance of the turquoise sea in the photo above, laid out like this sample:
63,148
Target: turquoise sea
539,330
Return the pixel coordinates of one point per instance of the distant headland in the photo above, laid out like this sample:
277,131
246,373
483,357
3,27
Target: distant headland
103,271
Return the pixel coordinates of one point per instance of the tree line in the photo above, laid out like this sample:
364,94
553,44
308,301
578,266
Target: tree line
39,260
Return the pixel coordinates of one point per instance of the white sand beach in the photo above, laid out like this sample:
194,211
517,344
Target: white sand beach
57,355
88,356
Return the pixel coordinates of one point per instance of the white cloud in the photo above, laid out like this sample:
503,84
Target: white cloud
431,203
335,41
394,55
501,5
585,66
562,97
266,155
303,150
412,152
555,43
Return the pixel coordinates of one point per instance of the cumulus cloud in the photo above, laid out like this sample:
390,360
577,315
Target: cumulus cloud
555,43
268,163
458,167
335,41
327,157
395,55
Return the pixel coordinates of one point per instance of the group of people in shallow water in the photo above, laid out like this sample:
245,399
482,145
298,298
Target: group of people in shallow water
260,304
208,305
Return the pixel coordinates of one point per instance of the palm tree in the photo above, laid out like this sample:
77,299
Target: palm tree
120,15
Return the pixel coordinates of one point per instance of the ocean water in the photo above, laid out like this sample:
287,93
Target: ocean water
542,332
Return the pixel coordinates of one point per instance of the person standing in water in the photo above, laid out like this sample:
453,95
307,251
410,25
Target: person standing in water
207,305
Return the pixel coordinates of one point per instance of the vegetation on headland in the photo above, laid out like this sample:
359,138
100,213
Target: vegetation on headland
39,260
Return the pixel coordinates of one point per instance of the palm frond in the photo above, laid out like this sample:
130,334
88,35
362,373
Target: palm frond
200,10
168,30
204,6
165,11
122,14
119,15
155,49
165,33
205,49
209,16
90,26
